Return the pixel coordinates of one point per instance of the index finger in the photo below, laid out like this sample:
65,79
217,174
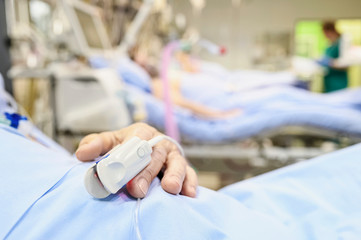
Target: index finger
94,145
141,130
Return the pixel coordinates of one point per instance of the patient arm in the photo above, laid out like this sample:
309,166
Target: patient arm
197,108
204,111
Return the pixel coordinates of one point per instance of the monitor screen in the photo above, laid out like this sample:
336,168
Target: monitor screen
89,29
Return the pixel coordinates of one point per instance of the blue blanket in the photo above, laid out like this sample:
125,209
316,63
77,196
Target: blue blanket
42,197
317,199
262,110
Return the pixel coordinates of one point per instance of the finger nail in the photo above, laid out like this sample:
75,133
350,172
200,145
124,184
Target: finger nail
143,186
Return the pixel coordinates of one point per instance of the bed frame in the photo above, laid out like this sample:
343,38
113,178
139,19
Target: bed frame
267,151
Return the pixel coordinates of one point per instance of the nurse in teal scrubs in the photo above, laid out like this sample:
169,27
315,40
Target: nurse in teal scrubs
335,78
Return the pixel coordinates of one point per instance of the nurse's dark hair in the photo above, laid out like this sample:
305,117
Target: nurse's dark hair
329,26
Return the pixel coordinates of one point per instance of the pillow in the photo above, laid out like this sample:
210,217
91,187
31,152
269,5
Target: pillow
128,70
134,75
98,62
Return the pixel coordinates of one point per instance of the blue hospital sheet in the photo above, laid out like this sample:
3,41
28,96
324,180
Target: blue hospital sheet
43,198
239,81
316,199
211,75
261,111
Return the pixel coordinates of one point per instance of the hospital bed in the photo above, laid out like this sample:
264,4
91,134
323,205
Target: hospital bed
280,125
242,80
43,197
252,140
280,116
264,110
219,77
107,108
258,117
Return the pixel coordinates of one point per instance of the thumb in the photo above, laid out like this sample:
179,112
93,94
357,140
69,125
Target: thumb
90,150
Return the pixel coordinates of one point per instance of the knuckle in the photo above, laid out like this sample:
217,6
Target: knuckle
141,124
110,136
175,155
143,133
143,127
159,154
181,161
171,146
178,173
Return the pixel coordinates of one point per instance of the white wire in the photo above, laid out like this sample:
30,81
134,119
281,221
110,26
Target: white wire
159,138
152,143
136,217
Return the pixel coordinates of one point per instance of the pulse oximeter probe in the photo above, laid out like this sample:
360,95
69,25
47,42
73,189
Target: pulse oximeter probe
121,164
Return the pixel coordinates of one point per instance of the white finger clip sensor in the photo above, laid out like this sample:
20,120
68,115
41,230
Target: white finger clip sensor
121,164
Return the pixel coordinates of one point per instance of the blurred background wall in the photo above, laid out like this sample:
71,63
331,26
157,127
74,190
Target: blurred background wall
246,25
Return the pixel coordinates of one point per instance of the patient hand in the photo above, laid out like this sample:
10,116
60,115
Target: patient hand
179,177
